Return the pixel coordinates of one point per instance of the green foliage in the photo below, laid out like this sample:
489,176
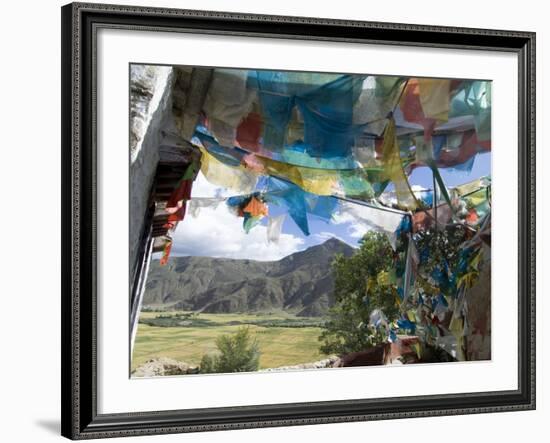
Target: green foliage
179,319
193,320
363,282
208,364
301,322
237,352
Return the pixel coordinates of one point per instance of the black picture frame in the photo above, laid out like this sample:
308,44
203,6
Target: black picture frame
79,173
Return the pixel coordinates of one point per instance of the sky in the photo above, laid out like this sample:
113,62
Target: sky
219,233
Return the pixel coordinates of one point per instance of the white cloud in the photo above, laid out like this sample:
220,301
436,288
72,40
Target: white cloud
219,233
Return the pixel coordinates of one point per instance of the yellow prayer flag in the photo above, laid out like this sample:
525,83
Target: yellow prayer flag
236,178
393,168
313,180
434,97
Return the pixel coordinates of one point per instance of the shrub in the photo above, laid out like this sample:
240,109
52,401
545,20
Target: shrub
237,352
208,364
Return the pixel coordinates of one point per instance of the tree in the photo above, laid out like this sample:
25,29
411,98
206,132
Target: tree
236,353
363,283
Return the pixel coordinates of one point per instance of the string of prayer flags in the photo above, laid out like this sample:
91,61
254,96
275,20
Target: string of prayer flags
227,102
393,167
245,167
367,218
274,228
255,207
292,197
434,97
236,178
166,253
378,98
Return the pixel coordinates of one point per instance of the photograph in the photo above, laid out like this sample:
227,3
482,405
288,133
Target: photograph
294,220
291,217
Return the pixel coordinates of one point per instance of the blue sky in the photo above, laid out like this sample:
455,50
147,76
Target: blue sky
482,166
216,232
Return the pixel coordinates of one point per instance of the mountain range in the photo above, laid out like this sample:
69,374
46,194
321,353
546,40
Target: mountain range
301,283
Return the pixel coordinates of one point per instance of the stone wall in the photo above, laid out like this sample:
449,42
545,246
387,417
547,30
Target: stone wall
150,112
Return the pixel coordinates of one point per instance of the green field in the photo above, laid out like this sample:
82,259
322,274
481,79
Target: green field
279,345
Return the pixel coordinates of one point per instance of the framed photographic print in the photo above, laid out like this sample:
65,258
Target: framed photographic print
273,221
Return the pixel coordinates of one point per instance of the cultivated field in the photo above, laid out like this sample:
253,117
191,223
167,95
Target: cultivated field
283,339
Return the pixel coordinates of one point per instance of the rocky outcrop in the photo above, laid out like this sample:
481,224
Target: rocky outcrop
157,367
150,112
150,88
329,362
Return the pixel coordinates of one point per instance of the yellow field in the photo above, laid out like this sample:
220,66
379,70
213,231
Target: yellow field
279,346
